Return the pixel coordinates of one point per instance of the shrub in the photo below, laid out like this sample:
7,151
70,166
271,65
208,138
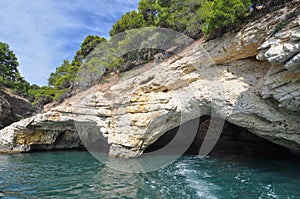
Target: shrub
219,14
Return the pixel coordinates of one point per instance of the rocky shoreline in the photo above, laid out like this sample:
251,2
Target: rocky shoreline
258,70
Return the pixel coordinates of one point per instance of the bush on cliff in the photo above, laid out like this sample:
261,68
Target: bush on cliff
221,14
61,81
179,15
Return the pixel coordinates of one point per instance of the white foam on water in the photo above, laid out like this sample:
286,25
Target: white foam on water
196,180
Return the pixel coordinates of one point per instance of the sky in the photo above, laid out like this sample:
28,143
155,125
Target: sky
43,33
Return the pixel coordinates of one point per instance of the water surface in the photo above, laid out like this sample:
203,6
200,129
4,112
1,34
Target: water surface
76,174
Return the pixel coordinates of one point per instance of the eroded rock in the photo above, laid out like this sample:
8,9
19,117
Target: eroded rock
219,77
13,107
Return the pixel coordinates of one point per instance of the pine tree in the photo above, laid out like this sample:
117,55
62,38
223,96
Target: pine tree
8,64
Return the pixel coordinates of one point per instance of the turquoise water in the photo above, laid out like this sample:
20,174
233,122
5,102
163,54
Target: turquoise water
76,174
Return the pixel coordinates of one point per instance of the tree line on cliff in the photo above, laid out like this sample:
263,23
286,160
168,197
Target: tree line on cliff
9,73
194,18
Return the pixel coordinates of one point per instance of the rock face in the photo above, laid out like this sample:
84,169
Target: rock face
13,107
282,81
221,78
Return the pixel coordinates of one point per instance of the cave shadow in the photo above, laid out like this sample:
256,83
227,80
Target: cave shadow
234,140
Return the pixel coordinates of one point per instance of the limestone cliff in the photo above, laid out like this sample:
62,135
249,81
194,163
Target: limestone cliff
13,107
250,78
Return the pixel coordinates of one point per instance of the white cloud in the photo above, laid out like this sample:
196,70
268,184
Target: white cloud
44,33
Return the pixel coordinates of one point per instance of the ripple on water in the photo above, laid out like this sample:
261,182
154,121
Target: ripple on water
79,175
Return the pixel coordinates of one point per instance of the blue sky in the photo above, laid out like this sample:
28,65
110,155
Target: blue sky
43,33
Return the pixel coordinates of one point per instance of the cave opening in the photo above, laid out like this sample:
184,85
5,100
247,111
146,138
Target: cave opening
86,137
234,140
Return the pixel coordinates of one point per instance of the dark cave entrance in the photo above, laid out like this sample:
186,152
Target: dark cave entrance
233,140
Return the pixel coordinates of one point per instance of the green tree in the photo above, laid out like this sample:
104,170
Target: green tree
9,74
130,20
182,16
65,75
42,95
179,15
87,46
219,14
8,64
61,81
150,10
